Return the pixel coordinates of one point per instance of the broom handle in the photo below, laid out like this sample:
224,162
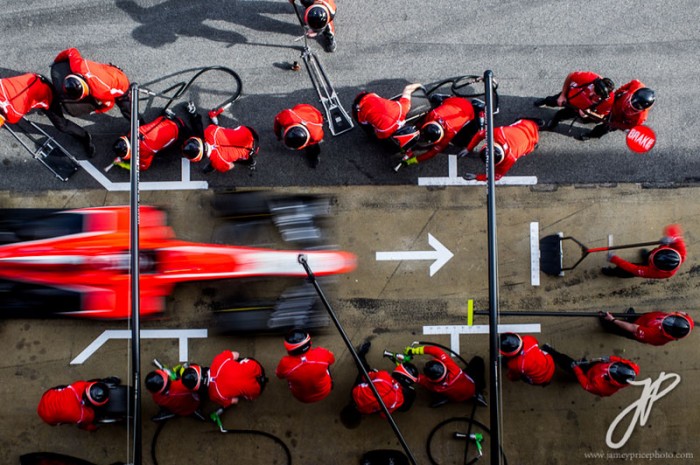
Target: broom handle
628,246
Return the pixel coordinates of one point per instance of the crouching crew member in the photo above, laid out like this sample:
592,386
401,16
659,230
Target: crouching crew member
301,128
654,328
525,360
74,404
223,147
306,369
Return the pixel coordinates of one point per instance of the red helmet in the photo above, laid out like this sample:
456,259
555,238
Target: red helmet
194,376
406,373
193,149
122,148
677,325
511,344
97,394
75,87
406,137
317,17
435,370
621,373
498,154
665,259
296,137
431,133
157,381
297,342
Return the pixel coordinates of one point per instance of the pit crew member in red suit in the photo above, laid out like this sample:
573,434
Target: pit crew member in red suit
222,146
380,116
525,360
73,404
154,137
301,128
602,377
655,328
171,395
318,17
306,369
229,379
454,120
510,143
21,94
100,85
395,389
446,380
630,108
662,262
585,94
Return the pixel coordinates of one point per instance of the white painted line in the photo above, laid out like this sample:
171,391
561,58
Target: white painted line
185,169
455,330
185,184
610,240
535,253
459,181
181,334
440,254
452,166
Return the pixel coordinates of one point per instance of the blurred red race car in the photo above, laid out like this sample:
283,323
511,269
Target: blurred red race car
76,262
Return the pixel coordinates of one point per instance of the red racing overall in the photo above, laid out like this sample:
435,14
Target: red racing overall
650,330
155,136
106,82
531,364
226,146
178,399
230,379
385,116
624,115
598,381
456,386
21,94
580,93
304,114
452,114
388,388
517,140
62,405
648,270
307,374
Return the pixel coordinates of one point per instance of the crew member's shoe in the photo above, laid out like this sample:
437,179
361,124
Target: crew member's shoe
439,402
539,102
208,168
330,45
364,348
582,137
608,271
539,122
163,415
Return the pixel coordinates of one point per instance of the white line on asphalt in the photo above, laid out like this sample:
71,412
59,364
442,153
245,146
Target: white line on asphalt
181,334
184,184
453,178
455,330
535,253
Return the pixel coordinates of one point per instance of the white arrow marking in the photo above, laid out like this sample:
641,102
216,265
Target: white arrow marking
181,334
440,254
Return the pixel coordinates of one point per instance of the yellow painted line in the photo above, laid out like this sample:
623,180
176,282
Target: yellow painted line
470,312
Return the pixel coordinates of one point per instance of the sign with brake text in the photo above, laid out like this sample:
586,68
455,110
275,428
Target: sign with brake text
641,139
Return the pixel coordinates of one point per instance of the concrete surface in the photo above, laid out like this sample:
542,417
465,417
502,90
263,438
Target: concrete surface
382,45
389,303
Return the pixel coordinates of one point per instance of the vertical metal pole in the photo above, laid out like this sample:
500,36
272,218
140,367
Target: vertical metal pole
135,276
356,357
494,362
